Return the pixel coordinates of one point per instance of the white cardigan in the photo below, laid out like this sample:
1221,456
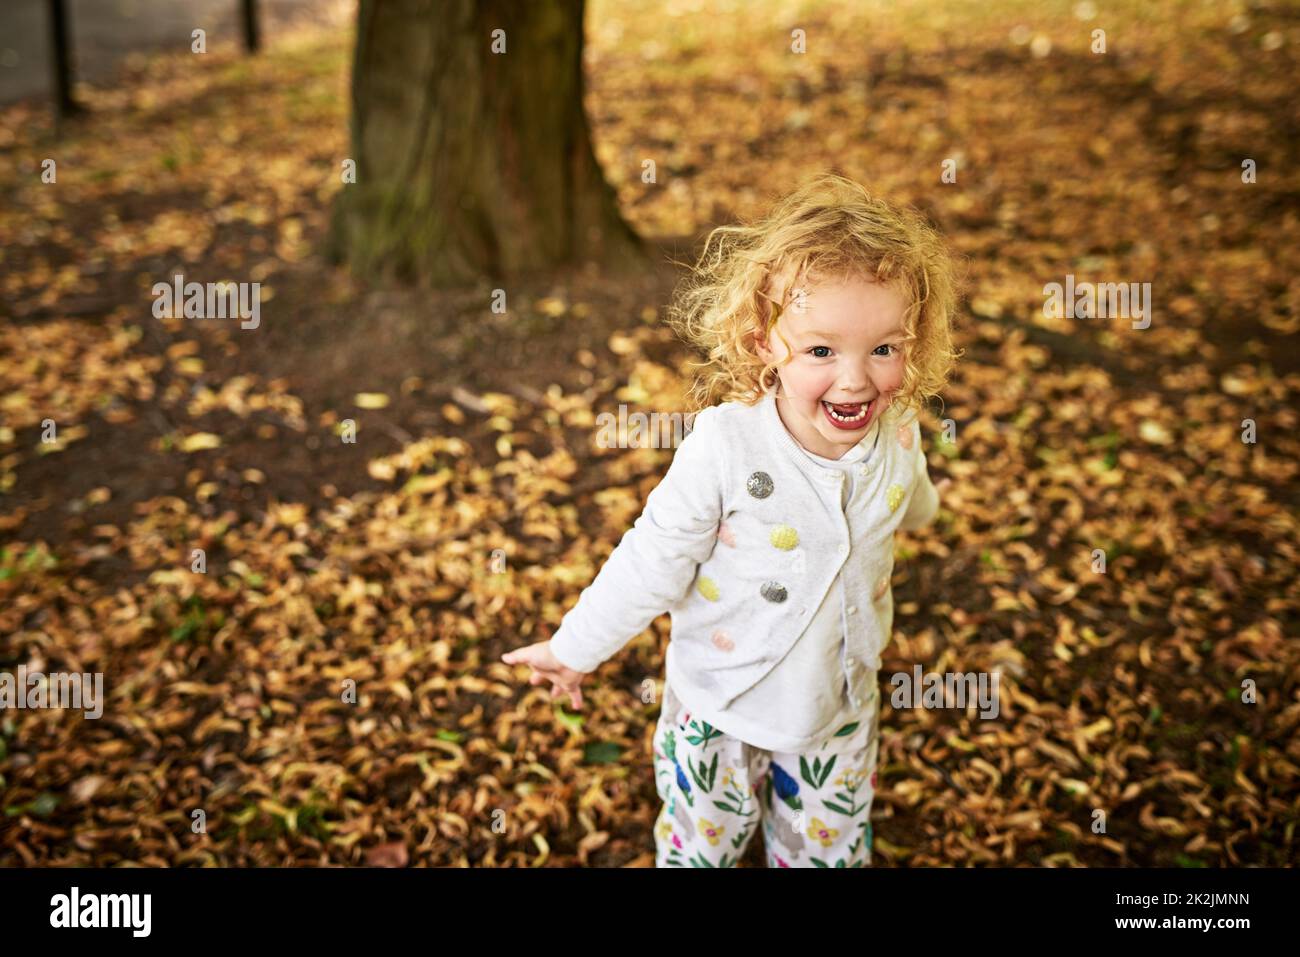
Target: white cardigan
740,542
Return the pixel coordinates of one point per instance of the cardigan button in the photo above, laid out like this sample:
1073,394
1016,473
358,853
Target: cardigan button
853,609
759,485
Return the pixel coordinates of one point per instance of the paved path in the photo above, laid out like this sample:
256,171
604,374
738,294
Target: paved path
104,32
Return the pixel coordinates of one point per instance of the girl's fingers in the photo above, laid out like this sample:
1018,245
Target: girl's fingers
575,695
521,656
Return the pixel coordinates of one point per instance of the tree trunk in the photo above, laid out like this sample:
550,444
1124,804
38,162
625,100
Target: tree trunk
61,60
248,16
470,163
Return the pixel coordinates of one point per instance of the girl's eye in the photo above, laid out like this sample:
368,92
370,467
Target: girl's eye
885,346
814,351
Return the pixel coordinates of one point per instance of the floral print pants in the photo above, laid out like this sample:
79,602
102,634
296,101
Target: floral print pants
814,807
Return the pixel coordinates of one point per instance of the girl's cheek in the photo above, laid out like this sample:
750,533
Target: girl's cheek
812,384
892,378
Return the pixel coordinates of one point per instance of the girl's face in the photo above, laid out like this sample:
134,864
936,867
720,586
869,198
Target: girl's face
847,346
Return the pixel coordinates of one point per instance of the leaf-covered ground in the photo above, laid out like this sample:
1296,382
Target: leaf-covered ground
475,503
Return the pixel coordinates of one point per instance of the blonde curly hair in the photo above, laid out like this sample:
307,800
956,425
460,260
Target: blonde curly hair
829,228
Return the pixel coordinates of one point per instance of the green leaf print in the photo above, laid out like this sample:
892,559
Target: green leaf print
670,746
863,841
705,733
704,777
865,828
817,775
847,729
739,840
847,799
735,802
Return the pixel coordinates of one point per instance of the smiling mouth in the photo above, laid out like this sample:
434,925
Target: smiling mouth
849,415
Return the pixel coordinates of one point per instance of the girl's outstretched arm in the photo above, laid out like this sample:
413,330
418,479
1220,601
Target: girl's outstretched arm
658,557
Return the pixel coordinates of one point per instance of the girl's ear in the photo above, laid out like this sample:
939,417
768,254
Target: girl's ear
763,347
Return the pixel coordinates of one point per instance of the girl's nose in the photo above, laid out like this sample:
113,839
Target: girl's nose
853,378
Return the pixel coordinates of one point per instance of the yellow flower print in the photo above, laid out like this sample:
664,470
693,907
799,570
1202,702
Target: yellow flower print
894,497
818,831
784,537
708,588
850,778
665,829
710,831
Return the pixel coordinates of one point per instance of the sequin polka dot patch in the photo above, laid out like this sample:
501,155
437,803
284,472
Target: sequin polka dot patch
759,485
894,497
773,592
722,642
708,588
726,536
784,537
905,436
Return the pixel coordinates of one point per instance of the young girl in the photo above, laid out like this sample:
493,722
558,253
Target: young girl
770,538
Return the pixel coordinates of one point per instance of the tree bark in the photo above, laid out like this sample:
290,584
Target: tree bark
472,163
61,60
248,17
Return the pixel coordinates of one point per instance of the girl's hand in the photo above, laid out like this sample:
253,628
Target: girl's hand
546,667
943,485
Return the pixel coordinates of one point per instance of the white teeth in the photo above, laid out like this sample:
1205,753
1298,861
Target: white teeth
862,413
